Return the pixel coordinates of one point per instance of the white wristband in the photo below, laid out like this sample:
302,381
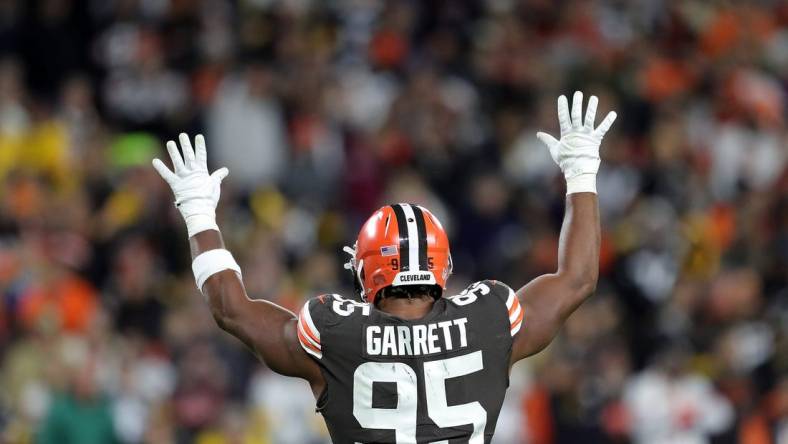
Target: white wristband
583,183
199,223
211,262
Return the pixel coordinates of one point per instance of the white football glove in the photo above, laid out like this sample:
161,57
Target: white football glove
577,153
196,192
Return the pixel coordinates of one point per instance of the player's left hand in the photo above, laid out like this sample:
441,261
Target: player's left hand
577,153
196,192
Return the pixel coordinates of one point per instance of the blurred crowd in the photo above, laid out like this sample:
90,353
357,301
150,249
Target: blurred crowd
325,110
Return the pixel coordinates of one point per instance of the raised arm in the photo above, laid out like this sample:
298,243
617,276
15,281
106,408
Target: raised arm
548,300
269,330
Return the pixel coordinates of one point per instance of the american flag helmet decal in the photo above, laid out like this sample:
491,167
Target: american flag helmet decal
389,250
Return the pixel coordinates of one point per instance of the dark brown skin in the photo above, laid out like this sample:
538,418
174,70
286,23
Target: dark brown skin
267,329
548,300
407,308
270,330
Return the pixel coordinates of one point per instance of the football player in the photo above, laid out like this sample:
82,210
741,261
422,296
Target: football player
406,363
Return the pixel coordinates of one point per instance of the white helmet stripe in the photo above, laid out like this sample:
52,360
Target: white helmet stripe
413,237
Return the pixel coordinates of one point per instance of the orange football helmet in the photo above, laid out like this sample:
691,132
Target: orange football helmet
400,244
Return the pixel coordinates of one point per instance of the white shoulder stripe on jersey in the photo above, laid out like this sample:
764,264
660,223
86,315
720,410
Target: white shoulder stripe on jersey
413,237
308,318
515,310
318,355
304,339
306,336
510,300
515,314
516,328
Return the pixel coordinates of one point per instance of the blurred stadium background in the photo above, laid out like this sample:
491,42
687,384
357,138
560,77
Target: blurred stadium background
324,110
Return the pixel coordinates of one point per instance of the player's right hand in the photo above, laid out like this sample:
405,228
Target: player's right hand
196,192
577,152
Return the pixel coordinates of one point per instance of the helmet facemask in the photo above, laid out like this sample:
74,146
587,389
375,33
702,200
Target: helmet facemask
358,276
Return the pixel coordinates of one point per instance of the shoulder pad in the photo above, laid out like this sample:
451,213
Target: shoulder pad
322,312
512,303
495,291
308,332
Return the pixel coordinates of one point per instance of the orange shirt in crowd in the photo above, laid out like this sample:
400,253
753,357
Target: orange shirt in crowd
69,301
